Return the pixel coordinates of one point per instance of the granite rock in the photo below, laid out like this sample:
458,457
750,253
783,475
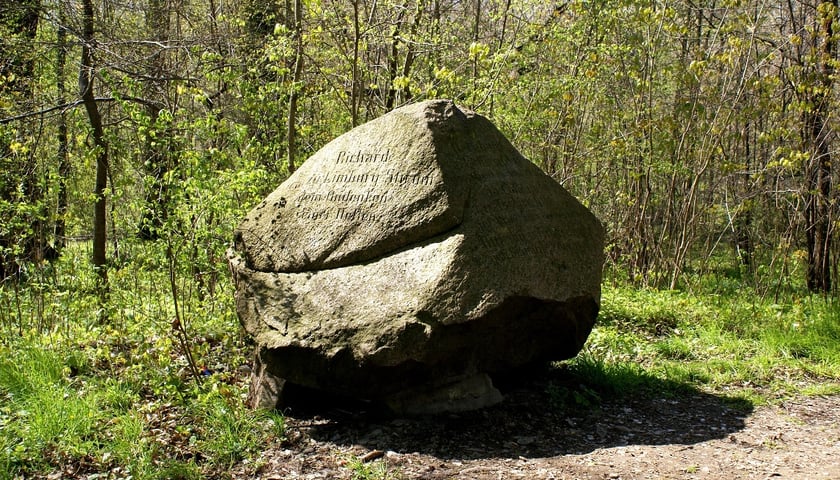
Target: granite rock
416,253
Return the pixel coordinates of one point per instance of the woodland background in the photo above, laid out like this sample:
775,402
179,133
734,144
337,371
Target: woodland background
135,134
695,130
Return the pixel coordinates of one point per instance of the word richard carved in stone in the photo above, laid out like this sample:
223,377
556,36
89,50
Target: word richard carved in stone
412,259
362,157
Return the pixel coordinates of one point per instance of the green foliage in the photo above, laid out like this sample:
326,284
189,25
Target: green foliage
231,432
375,470
47,417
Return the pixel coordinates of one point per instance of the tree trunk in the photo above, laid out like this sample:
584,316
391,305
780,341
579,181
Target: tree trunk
393,58
355,88
60,230
291,128
19,23
86,77
476,27
157,158
818,186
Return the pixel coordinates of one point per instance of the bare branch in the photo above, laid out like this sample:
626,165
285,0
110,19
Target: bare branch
70,105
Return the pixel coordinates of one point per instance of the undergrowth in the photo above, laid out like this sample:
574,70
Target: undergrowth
119,399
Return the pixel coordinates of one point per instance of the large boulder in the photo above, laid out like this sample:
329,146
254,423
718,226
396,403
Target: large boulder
408,259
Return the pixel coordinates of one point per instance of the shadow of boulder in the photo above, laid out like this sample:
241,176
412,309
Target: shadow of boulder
547,412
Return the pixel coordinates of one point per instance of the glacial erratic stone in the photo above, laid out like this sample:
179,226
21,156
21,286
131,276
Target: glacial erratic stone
411,257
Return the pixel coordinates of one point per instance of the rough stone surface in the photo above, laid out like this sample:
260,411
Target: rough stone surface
416,251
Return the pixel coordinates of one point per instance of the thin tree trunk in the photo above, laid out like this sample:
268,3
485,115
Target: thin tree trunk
475,32
157,161
291,127
355,93
818,231
86,77
410,50
60,230
393,59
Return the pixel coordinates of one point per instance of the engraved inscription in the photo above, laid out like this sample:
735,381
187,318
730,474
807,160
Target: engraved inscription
361,185
362,157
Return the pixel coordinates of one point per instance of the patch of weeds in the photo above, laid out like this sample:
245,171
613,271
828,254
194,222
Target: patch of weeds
643,312
823,389
812,337
8,466
179,470
273,423
681,376
118,395
28,370
724,340
130,447
675,348
77,363
50,420
743,401
375,470
63,423
610,377
571,399
230,431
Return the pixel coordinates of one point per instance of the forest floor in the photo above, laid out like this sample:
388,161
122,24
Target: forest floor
688,435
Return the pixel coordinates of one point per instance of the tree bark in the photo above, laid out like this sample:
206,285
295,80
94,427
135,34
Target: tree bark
157,161
297,69
86,77
60,229
355,88
393,58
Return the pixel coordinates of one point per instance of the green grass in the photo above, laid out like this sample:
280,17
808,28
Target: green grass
734,343
375,470
119,398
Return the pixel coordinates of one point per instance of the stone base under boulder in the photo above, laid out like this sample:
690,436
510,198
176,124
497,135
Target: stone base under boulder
269,392
470,393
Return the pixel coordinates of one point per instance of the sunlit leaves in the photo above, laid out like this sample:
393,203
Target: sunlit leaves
478,51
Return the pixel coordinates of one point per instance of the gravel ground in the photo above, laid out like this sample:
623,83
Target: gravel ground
688,436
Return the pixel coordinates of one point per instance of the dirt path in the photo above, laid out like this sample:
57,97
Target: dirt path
692,436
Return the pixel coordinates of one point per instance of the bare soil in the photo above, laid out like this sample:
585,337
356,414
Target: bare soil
689,435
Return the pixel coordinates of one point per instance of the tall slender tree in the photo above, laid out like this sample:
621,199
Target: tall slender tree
157,159
87,74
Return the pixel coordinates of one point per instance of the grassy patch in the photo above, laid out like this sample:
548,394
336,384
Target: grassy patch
375,470
736,344
120,398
